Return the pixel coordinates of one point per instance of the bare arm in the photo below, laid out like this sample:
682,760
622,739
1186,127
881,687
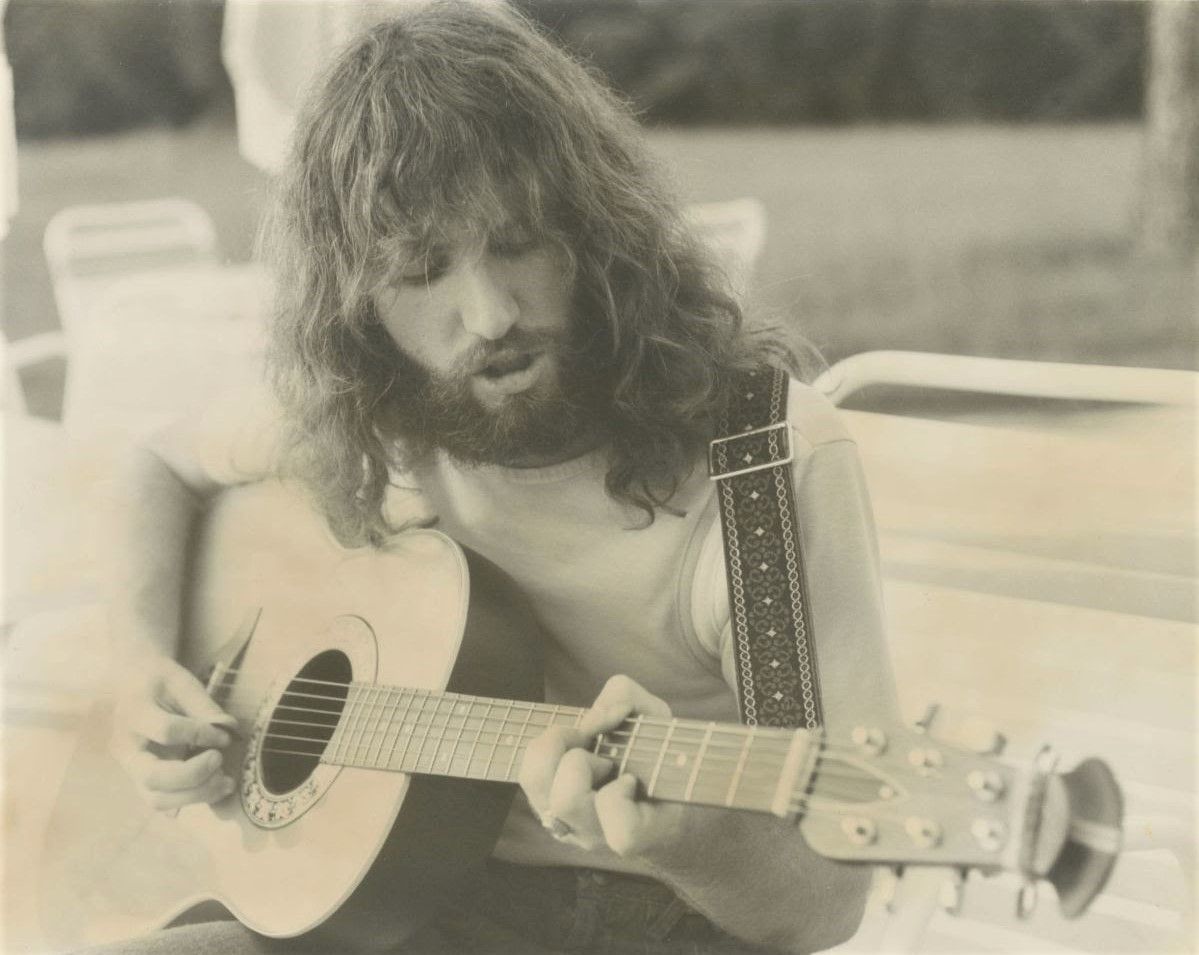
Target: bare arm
161,501
752,875
168,730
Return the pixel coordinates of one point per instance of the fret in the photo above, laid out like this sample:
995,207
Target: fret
333,751
651,786
495,746
374,739
433,733
516,748
474,746
624,760
401,729
378,733
389,733
360,724
462,707
732,794
699,758
412,726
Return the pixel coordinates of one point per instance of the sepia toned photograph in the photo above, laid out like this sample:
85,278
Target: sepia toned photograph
621,477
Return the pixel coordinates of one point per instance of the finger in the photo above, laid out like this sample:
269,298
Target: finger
539,764
572,795
177,774
188,696
621,817
620,698
216,788
150,722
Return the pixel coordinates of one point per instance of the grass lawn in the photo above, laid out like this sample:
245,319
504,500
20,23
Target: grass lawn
1004,241
984,240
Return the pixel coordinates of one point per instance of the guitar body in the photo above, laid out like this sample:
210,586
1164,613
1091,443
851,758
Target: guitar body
357,856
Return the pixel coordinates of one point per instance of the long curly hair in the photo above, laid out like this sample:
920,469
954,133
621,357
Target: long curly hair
459,116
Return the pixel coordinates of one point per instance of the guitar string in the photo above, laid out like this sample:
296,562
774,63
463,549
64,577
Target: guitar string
800,803
752,775
783,734
480,734
761,735
474,737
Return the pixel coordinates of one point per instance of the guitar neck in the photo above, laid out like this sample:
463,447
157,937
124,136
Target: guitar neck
445,734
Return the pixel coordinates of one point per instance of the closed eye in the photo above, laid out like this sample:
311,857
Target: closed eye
513,246
425,271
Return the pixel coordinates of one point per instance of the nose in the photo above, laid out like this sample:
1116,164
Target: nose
487,305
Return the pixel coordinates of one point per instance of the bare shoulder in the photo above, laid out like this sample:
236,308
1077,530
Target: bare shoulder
238,436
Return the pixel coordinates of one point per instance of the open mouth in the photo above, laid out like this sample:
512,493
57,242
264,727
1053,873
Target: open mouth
510,373
506,363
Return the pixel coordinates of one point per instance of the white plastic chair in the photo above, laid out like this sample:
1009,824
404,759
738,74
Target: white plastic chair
1006,376
1042,577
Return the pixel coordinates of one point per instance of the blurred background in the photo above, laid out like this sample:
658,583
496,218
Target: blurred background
989,180
976,177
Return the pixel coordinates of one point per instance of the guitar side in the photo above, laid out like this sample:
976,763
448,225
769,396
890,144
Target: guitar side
364,860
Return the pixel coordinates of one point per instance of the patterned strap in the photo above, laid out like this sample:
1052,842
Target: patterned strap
777,682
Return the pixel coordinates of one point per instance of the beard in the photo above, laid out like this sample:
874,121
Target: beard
561,415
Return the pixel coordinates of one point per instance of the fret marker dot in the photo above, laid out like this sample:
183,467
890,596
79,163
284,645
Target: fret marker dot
509,741
461,707
681,760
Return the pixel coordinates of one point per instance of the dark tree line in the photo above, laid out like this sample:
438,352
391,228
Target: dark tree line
83,66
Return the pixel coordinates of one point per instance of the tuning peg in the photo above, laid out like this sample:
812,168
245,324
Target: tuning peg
925,723
1026,901
1046,759
953,892
888,886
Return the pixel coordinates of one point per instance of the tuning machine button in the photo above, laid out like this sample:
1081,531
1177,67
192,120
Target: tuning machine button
1026,901
924,833
859,830
952,893
926,760
871,739
1046,759
990,834
986,784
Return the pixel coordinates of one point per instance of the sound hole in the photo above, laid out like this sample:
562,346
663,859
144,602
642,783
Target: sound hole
304,720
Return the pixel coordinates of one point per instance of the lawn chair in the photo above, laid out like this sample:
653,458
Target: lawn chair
92,248
1040,578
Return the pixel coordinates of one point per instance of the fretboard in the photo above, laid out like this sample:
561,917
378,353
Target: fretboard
447,734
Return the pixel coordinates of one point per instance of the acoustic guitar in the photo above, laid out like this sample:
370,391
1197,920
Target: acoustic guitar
382,700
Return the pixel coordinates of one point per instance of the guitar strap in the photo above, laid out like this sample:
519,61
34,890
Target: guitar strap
777,680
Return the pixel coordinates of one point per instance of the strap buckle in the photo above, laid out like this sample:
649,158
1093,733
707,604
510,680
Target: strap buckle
772,461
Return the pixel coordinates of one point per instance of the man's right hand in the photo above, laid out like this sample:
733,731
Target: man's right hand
169,735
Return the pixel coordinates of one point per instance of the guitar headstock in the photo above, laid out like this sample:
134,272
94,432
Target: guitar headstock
898,796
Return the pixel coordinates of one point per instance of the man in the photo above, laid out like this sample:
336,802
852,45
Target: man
490,315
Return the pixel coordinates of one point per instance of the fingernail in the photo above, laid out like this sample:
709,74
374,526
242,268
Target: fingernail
227,785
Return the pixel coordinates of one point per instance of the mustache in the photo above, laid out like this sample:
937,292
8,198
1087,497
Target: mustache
515,344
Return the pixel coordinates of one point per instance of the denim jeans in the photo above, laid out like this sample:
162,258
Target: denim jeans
516,910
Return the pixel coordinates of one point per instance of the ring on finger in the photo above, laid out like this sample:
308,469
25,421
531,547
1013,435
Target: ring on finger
556,827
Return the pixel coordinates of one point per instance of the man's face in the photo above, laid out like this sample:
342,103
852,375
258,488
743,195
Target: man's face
487,333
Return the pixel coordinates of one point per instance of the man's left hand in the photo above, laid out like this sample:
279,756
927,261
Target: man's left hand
577,793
